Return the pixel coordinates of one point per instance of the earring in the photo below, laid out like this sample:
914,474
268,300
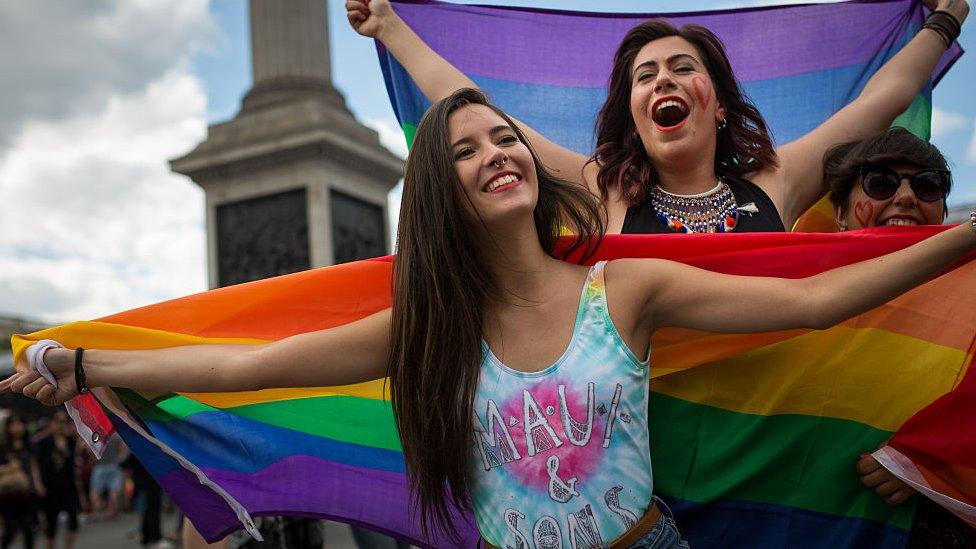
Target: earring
721,125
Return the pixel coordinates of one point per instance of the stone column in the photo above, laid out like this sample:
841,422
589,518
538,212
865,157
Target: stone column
293,181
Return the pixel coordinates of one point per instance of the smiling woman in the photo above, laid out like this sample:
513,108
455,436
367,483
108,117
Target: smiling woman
519,381
890,178
679,148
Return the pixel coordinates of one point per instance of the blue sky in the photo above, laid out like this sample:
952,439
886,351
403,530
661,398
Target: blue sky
94,221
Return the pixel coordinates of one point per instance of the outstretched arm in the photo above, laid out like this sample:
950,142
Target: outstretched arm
664,293
347,354
886,95
438,79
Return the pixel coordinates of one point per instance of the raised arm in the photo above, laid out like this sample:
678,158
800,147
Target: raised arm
665,293
886,95
347,354
437,78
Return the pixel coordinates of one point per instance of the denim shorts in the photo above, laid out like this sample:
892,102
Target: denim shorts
106,477
664,534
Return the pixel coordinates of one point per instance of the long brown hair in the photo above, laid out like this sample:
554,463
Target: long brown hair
743,146
441,284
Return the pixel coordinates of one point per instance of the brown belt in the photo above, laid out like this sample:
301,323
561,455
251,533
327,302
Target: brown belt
631,536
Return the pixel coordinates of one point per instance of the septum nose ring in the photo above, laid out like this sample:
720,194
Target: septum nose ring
499,163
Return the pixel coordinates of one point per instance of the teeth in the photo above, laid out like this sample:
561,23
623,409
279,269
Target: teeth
505,180
670,103
900,222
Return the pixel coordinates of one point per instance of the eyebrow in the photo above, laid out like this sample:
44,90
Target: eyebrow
494,131
670,61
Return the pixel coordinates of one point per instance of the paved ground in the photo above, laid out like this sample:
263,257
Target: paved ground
116,534
121,534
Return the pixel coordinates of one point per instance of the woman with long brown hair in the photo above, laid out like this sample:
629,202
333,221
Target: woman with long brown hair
679,148
519,381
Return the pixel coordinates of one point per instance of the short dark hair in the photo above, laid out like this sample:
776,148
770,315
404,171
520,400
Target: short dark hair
843,162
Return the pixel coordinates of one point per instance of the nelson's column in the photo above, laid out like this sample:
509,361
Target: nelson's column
293,181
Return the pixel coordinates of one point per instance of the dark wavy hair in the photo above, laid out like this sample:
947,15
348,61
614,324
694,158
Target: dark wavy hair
743,146
441,285
843,162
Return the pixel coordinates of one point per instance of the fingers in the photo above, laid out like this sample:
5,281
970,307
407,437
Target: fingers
22,379
900,496
32,388
46,395
867,464
357,7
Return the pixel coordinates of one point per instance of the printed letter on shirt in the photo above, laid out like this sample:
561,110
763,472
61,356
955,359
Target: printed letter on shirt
511,520
537,427
546,534
497,446
577,433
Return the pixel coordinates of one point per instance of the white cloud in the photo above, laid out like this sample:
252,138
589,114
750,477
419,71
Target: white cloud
73,57
391,135
946,122
95,222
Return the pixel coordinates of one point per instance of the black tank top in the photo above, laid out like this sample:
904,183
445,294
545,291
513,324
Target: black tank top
643,219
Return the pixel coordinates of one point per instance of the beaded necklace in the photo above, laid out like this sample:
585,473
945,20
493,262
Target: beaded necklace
713,211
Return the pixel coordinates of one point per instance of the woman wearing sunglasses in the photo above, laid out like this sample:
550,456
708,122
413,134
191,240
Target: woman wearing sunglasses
890,178
895,178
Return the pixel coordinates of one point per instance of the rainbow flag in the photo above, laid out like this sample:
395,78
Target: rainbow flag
799,64
754,437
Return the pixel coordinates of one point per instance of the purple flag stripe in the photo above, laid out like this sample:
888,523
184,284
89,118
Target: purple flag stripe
330,490
522,47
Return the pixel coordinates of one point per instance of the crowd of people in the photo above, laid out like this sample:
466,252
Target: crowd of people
51,483
477,266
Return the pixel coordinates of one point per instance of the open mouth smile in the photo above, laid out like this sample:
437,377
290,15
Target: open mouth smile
898,221
502,182
668,113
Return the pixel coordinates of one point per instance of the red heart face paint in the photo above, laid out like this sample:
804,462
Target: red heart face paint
703,92
863,211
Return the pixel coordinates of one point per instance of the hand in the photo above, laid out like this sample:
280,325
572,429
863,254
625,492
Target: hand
891,488
30,383
369,17
958,8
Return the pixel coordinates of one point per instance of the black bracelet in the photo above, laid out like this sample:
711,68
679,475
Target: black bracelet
943,34
945,24
958,25
80,383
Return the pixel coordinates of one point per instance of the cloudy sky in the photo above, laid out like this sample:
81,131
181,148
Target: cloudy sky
97,95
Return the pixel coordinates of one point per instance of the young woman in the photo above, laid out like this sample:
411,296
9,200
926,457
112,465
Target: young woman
519,381
890,178
673,101
895,178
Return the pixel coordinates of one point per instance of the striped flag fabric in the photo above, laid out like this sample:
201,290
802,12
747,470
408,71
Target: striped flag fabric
754,437
799,64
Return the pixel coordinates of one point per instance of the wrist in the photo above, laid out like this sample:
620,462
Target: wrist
391,25
957,8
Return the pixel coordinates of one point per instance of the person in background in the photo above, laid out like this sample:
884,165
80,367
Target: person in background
56,454
107,478
894,178
17,506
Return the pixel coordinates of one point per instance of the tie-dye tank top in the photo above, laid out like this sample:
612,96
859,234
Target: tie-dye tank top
561,456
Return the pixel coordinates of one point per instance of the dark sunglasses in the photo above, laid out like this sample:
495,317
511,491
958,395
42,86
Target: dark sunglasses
881,183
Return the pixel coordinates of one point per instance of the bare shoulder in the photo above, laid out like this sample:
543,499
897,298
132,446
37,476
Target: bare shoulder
632,274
